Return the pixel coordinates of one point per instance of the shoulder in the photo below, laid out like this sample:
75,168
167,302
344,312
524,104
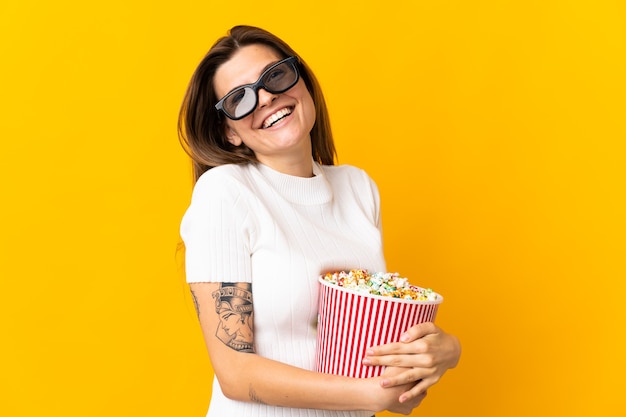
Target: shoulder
228,173
347,174
221,180
220,193
343,171
352,182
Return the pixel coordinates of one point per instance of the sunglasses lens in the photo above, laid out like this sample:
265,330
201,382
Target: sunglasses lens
280,78
240,102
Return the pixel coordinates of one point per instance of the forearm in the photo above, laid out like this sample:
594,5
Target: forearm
262,380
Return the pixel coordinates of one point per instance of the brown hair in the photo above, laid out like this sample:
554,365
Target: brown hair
201,127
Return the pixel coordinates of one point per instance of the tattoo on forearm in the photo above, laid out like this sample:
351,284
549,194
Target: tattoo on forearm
253,397
195,302
233,304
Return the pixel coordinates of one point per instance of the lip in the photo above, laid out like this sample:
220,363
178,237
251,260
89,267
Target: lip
269,114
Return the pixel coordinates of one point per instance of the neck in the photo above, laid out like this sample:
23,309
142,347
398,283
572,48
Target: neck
297,167
299,164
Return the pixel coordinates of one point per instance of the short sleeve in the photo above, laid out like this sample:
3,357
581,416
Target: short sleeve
368,195
375,203
216,231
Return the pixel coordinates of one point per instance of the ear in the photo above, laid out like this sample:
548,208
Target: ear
232,136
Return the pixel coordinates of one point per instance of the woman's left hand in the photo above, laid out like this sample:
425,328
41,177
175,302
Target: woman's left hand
425,351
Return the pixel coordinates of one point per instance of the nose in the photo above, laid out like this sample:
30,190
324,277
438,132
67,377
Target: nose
265,97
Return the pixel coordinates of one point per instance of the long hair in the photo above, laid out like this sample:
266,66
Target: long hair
201,128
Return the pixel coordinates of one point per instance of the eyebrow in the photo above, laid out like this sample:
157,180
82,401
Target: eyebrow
270,64
262,71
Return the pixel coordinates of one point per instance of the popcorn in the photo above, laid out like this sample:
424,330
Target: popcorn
359,309
386,284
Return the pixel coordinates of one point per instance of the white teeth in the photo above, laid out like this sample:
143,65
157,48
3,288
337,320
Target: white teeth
276,117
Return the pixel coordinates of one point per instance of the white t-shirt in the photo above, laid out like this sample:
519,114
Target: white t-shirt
249,223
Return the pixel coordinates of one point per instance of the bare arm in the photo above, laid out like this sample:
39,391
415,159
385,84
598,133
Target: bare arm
245,376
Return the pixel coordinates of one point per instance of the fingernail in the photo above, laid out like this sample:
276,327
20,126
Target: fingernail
404,337
369,352
366,361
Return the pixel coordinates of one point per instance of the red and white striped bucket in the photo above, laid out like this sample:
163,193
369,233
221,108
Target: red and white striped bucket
349,323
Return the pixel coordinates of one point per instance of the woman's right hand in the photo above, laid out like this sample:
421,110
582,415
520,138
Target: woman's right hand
391,396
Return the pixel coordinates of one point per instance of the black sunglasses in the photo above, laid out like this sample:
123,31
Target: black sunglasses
277,79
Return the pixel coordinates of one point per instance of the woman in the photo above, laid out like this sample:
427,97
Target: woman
269,214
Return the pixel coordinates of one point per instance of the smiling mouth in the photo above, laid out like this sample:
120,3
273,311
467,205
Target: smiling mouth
274,118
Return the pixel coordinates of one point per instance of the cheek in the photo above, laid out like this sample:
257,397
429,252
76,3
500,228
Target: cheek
308,105
232,129
311,113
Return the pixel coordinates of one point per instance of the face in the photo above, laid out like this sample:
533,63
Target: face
278,130
236,325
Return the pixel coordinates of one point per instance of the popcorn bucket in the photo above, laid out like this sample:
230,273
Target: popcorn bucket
350,322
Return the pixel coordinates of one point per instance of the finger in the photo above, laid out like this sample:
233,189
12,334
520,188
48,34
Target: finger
413,334
406,376
421,387
388,349
399,348
414,394
406,360
418,331
386,360
414,402
418,389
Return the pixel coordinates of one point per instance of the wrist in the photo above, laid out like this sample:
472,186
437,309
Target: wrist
370,395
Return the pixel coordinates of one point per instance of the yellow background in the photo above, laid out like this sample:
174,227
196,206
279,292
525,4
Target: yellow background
496,132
